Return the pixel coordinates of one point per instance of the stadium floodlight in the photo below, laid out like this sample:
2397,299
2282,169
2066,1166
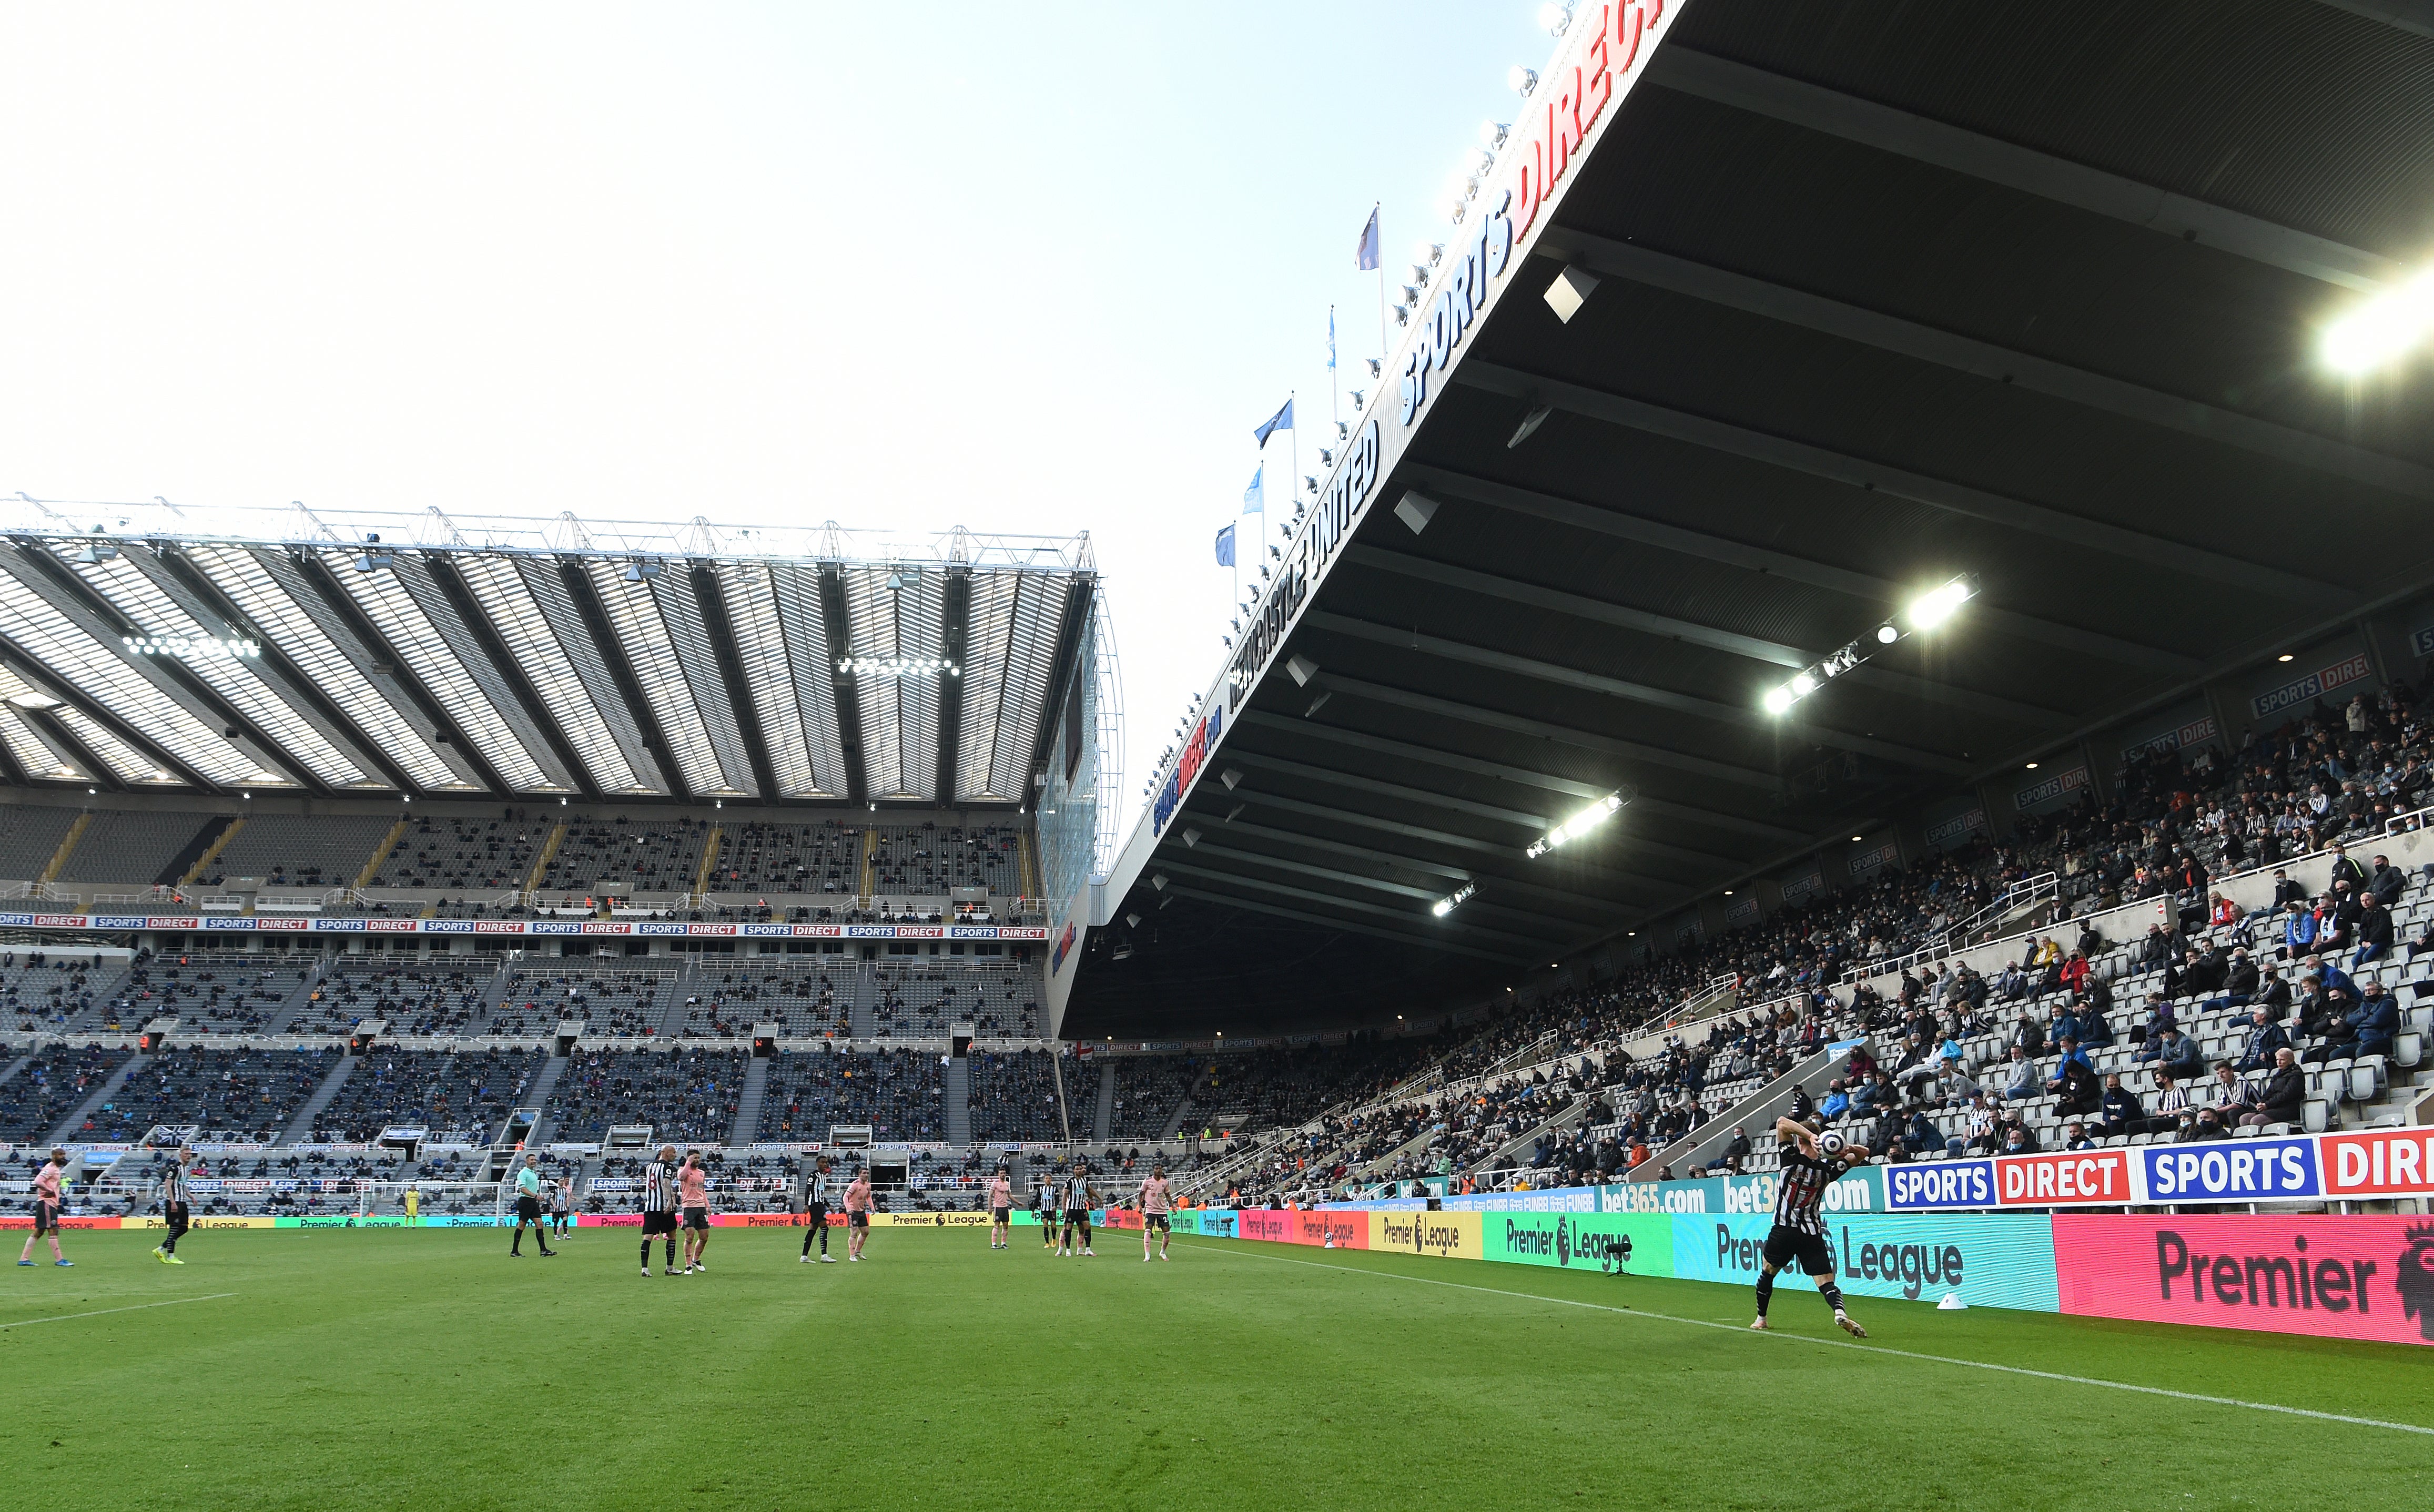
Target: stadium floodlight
1579,824
1428,251
34,701
1937,605
1454,900
1492,134
96,552
1925,612
1521,79
193,647
1557,17
641,568
2381,331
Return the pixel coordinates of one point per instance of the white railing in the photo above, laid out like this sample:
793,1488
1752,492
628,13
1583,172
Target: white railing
1953,938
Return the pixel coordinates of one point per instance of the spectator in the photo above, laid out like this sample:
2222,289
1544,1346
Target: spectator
2385,883
2073,1083
2367,1029
2176,1052
2284,1094
1836,1103
2074,1137
2023,1081
2265,1038
2172,1104
2120,1112
2373,931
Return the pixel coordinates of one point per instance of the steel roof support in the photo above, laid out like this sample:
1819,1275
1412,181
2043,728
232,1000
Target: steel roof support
35,671
955,641
1748,717
1306,916
1815,108
1060,686
711,594
571,572
1880,591
1936,493
461,597
1984,359
1332,900
368,635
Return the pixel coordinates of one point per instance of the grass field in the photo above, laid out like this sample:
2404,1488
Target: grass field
382,1369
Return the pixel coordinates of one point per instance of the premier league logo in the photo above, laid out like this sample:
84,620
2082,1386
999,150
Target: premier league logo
1563,1242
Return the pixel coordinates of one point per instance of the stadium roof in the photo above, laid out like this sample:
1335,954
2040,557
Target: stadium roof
419,655
1876,295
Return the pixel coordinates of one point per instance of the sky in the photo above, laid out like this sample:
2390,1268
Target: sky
1031,269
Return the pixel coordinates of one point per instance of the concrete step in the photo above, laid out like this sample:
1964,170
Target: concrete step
299,1128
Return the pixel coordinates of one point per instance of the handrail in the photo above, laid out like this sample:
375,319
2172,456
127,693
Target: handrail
2028,892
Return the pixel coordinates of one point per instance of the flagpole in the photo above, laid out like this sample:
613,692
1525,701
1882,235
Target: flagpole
1384,352
1296,471
1334,380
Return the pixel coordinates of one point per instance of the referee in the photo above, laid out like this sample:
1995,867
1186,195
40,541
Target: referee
528,1209
173,1206
816,1215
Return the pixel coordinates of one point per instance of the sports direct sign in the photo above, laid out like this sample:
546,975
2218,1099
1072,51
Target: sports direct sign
2353,667
515,928
2323,1167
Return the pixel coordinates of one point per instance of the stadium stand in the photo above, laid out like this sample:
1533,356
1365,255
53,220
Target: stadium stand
686,1094
214,993
131,845
899,1093
468,1092
802,1000
932,860
254,1093
621,1002
296,850
30,835
54,1084
924,996
1014,1097
49,989
1150,1091
599,855
788,858
474,854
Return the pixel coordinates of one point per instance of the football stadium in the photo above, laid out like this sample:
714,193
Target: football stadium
1800,874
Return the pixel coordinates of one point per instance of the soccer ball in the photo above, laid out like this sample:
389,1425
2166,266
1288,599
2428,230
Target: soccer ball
1829,1144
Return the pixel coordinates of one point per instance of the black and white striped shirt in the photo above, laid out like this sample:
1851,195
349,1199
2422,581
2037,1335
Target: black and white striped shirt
1799,1190
659,1192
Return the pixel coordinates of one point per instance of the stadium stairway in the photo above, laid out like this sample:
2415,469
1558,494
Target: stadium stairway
92,1105
1761,1108
959,1102
1102,1112
748,1098
1175,1120
299,1128
15,1066
865,994
538,1096
282,1018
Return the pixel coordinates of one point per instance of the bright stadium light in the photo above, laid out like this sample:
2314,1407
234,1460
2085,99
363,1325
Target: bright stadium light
1523,81
2380,331
1935,606
193,647
1454,900
1580,824
1925,612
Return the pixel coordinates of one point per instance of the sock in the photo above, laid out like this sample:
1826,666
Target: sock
672,1251
646,1254
1833,1293
1765,1291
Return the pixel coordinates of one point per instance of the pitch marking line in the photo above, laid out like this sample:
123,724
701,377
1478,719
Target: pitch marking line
1844,1344
63,1317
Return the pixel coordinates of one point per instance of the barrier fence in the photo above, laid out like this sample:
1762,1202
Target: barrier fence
512,928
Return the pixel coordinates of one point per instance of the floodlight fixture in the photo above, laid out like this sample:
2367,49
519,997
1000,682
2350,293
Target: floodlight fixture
1928,611
1937,605
1523,81
1580,823
1454,900
2380,331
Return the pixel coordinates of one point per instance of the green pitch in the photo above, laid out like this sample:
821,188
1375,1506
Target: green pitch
384,1369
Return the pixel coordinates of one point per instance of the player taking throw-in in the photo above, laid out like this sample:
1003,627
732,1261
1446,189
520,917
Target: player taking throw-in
1810,1162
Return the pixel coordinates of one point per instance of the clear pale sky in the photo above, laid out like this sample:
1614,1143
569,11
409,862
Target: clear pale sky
1034,269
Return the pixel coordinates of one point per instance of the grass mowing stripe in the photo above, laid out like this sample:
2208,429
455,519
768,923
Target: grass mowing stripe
140,1307
1841,1344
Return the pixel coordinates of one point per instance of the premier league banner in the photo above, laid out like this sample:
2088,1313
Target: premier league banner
514,928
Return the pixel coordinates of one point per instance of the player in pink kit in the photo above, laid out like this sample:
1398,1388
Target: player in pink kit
47,1210
692,1196
1001,1206
857,1214
1156,1202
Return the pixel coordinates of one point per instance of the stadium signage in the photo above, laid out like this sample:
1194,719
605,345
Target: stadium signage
1871,861
2051,788
1195,755
1945,831
2196,732
1462,298
2241,1170
511,927
1320,538
2339,673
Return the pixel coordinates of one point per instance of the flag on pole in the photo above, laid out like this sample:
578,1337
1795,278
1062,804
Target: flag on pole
1280,421
1365,257
1331,338
1225,548
1255,498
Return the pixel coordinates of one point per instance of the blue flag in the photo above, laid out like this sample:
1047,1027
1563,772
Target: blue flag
1225,548
1365,258
1280,421
1255,498
1331,338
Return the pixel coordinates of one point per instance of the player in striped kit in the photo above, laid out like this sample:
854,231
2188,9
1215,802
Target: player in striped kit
1810,1160
173,1206
659,1207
